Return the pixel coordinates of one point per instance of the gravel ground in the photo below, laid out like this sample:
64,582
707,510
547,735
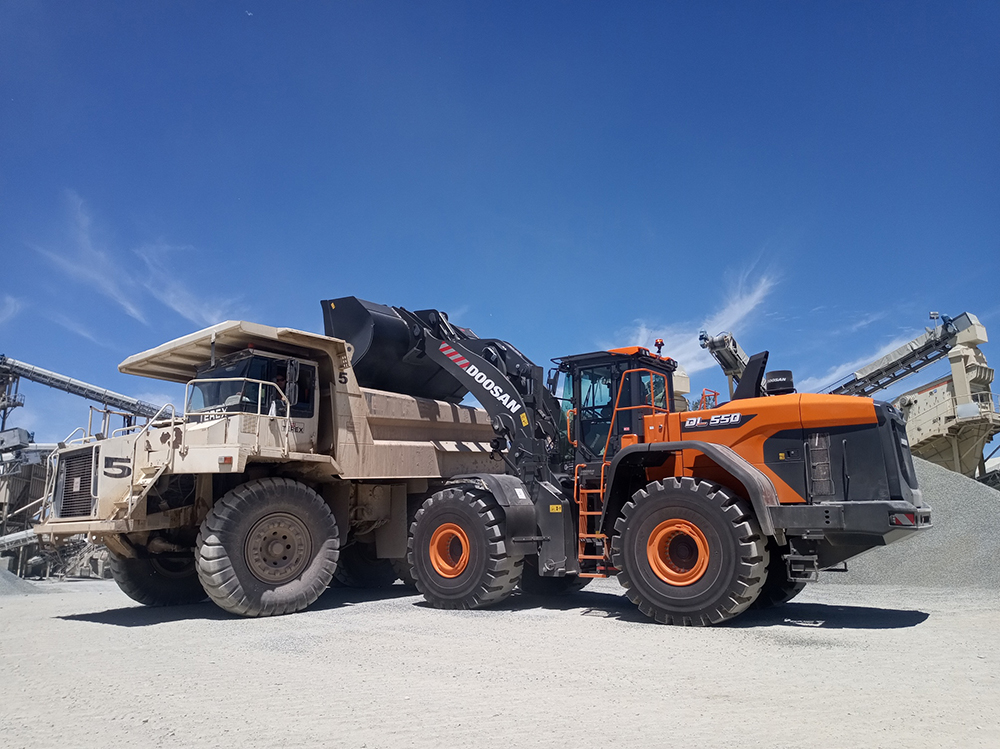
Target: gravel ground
83,666
912,660
11,584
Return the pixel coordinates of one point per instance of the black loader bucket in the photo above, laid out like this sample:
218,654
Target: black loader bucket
385,357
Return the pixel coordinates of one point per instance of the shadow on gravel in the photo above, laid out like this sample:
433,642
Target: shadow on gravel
806,615
830,616
144,616
584,602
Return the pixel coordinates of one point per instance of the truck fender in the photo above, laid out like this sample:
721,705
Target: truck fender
762,493
513,496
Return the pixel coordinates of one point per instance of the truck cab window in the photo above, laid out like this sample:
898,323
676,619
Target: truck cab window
304,408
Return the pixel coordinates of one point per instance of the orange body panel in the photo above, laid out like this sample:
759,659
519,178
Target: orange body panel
782,413
820,410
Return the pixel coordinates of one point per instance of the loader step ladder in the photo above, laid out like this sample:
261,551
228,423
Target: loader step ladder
594,547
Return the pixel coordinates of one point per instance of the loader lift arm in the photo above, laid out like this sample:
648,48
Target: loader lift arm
505,382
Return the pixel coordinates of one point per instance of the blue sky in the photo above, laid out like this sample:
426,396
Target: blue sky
815,177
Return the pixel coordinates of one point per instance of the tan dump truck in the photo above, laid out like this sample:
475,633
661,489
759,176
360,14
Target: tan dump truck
279,473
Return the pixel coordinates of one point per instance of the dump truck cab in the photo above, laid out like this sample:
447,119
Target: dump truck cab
260,384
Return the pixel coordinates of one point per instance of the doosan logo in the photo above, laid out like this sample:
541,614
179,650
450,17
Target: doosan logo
511,404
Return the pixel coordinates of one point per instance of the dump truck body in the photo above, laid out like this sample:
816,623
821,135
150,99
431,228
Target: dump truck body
165,475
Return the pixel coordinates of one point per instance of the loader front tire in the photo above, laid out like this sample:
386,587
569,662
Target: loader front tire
267,547
457,550
158,580
689,552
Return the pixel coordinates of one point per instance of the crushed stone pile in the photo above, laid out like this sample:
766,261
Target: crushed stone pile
961,550
12,585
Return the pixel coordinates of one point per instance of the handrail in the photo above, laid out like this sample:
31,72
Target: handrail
285,420
651,404
132,499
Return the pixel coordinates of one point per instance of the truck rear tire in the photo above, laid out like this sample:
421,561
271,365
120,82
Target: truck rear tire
689,552
268,547
533,584
777,588
457,550
158,580
360,567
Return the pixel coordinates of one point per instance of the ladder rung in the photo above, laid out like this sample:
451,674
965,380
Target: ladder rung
588,512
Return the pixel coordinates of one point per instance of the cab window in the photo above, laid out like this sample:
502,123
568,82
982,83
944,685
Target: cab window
596,407
305,406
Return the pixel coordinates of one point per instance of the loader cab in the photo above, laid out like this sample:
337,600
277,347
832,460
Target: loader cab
610,393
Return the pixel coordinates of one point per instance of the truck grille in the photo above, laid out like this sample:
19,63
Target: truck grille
76,484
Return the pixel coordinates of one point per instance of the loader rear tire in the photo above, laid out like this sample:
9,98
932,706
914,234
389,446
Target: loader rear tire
533,584
360,567
158,580
777,588
457,550
689,552
267,547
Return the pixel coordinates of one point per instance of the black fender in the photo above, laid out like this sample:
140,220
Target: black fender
762,492
519,510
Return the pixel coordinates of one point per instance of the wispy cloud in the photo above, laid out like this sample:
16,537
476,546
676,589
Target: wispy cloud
11,306
834,374
681,340
74,326
865,321
115,275
90,264
165,285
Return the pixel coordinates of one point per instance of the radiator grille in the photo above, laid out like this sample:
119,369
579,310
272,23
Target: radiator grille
77,471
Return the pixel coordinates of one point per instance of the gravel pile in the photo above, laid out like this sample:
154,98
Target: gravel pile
961,550
11,585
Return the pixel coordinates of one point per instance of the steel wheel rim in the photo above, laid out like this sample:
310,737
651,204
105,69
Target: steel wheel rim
677,552
449,550
278,548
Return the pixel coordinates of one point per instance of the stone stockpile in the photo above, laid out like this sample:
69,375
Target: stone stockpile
961,550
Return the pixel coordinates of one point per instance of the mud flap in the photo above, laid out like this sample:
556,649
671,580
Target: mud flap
515,499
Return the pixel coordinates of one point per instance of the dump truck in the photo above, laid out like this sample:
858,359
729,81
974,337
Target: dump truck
301,459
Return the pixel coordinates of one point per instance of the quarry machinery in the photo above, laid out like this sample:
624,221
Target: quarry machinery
293,449
22,461
948,421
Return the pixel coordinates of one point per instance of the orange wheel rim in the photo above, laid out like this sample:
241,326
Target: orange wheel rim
449,550
677,552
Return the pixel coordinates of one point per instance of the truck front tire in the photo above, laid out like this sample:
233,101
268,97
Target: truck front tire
689,552
158,580
268,547
457,550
